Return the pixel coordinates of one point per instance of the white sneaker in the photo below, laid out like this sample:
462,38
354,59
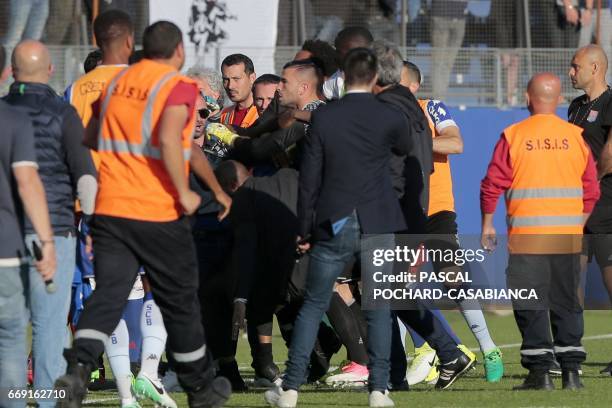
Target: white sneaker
277,397
424,361
379,399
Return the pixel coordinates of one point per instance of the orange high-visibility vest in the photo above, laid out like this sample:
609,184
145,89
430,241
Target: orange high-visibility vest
548,158
227,116
440,182
87,89
133,181
84,92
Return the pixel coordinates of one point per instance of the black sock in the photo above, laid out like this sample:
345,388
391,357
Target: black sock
347,327
361,321
264,355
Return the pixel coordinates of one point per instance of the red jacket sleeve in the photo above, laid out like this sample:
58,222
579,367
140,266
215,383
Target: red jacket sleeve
498,178
590,185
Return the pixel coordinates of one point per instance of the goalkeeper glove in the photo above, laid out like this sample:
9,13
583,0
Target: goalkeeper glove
220,132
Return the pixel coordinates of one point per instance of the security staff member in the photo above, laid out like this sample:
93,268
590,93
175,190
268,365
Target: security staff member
548,174
146,120
593,113
238,79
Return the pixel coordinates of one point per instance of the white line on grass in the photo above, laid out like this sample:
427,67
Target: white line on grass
516,345
97,401
503,346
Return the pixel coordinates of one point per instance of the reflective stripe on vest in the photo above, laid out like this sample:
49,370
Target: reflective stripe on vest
527,193
143,148
227,118
545,220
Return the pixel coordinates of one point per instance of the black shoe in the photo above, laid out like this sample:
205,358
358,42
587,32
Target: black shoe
536,380
319,364
555,369
74,382
571,380
607,370
403,386
267,375
230,372
213,395
449,372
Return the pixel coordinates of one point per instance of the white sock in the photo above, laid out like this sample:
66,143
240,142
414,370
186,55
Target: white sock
118,352
153,338
478,325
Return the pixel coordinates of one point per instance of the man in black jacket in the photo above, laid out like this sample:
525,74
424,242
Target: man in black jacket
67,171
265,276
345,190
410,173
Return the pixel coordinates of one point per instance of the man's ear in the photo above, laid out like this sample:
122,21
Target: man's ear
303,88
414,87
252,78
129,42
5,73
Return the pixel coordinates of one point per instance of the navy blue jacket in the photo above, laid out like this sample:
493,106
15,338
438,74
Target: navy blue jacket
346,166
62,158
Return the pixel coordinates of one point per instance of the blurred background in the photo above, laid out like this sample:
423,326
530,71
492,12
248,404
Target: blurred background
472,53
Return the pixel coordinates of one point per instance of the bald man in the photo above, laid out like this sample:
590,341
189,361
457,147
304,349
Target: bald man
548,175
593,113
66,170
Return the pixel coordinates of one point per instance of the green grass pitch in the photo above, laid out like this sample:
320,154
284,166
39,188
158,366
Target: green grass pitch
470,391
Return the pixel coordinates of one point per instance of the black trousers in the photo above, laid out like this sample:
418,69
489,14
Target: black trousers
167,252
213,241
555,279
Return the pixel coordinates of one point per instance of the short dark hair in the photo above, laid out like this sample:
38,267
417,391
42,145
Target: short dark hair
111,25
267,79
360,66
2,57
324,52
227,175
308,63
160,40
235,59
353,33
92,60
414,70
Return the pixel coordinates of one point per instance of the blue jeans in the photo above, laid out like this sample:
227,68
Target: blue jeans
13,321
49,314
327,261
27,20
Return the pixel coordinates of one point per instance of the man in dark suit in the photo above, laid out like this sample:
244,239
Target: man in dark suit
345,191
